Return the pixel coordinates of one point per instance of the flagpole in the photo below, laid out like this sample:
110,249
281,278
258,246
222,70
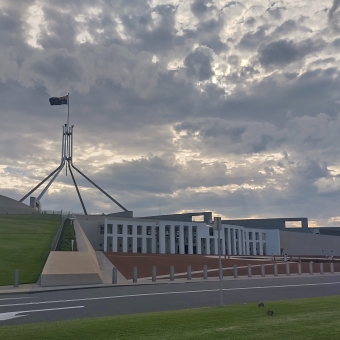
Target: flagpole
68,110
68,122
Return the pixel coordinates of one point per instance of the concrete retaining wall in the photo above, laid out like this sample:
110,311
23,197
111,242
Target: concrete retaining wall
11,206
64,268
309,244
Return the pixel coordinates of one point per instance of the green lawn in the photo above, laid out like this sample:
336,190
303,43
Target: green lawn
294,319
25,242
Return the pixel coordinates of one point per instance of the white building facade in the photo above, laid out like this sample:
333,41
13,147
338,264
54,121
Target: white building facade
176,237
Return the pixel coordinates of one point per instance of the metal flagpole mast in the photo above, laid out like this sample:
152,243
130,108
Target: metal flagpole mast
68,110
67,129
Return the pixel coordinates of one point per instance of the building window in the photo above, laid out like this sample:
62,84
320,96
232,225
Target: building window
120,229
257,236
130,227
263,236
211,231
109,228
139,230
148,230
250,235
101,229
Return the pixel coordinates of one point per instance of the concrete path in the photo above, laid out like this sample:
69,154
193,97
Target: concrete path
21,289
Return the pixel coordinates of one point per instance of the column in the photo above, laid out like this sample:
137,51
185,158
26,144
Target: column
172,239
234,241
223,241
246,246
144,236
216,244
114,237
181,239
207,245
239,242
198,241
124,237
190,240
134,238
153,240
162,239
105,234
229,241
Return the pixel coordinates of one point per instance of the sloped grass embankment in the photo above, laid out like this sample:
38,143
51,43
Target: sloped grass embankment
25,243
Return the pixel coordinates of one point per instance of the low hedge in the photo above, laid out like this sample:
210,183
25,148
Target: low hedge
67,235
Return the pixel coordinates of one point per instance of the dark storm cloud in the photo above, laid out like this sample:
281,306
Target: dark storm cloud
251,41
287,27
336,43
59,66
283,52
200,7
198,64
335,6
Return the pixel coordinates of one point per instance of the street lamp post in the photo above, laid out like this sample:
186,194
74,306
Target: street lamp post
218,226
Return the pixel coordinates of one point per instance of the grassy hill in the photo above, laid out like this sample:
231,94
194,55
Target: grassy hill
25,242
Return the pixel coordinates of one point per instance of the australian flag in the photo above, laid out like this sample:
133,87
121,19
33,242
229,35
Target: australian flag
58,101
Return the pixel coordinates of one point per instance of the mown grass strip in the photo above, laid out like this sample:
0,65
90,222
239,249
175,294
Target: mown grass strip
294,319
25,242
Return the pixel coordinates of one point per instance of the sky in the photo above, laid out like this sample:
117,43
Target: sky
178,105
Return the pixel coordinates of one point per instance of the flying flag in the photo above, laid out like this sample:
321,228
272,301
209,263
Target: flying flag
59,101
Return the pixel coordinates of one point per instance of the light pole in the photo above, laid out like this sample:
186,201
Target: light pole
218,226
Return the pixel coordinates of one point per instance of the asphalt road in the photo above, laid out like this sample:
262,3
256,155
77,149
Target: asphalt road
108,301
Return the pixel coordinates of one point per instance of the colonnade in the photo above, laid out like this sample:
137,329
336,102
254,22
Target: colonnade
174,237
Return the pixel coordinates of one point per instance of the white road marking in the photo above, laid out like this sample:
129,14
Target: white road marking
13,315
170,293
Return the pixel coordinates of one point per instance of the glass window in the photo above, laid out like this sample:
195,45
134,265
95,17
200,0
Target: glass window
102,229
120,229
109,228
130,228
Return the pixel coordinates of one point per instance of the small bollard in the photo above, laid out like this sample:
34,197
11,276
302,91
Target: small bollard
321,268
172,273
288,269
189,272
263,272
205,272
235,271
134,274
299,268
114,275
311,268
275,269
332,268
16,278
249,270
154,271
